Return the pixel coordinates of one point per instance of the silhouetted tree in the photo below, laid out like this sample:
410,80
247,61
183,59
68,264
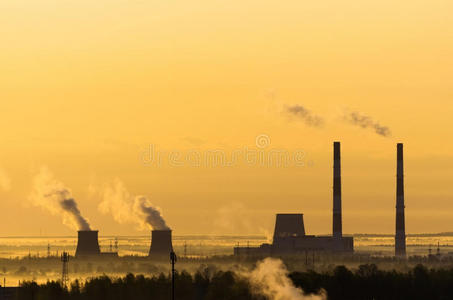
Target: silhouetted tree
367,282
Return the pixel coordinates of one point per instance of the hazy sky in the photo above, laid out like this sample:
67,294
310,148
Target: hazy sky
87,88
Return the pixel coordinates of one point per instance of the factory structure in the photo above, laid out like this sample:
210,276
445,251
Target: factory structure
88,245
400,230
289,232
161,244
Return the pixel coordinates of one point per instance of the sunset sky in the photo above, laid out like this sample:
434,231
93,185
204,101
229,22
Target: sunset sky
87,88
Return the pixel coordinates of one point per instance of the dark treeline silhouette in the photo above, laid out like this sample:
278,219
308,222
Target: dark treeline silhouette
366,282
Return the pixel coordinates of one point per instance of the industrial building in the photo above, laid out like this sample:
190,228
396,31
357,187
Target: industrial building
289,233
88,245
161,244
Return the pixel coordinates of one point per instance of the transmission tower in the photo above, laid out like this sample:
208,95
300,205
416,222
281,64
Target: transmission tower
173,261
64,273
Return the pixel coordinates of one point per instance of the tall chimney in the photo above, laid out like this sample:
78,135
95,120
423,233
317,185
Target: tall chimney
337,226
400,235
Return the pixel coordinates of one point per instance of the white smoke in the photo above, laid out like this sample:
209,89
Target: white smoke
125,208
234,217
52,195
149,213
5,181
270,279
115,201
267,234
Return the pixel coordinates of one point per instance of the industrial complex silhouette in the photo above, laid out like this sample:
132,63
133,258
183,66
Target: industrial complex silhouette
289,233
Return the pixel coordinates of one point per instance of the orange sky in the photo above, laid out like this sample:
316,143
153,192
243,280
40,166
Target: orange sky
86,88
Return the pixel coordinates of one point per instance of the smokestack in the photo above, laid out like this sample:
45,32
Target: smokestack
87,243
161,244
400,235
336,224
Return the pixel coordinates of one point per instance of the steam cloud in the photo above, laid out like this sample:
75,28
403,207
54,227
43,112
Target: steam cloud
270,279
151,214
306,115
364,121
53,196
234,217
125,208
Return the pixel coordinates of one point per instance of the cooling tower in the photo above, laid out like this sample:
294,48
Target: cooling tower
288,225
161,244
337,223
87,243
400,234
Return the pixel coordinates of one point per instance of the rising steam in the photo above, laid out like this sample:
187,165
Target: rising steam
125,208
51,194
306,115
150,214
364,121
270,279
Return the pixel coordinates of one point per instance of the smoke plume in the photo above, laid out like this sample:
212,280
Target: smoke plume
306,115
52,195
364,121
270,279
125,208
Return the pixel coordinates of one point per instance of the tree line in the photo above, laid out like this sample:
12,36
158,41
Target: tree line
367,282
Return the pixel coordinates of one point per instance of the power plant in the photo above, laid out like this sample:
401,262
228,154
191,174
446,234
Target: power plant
161,244
87,243
290,236
400,233
289,233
